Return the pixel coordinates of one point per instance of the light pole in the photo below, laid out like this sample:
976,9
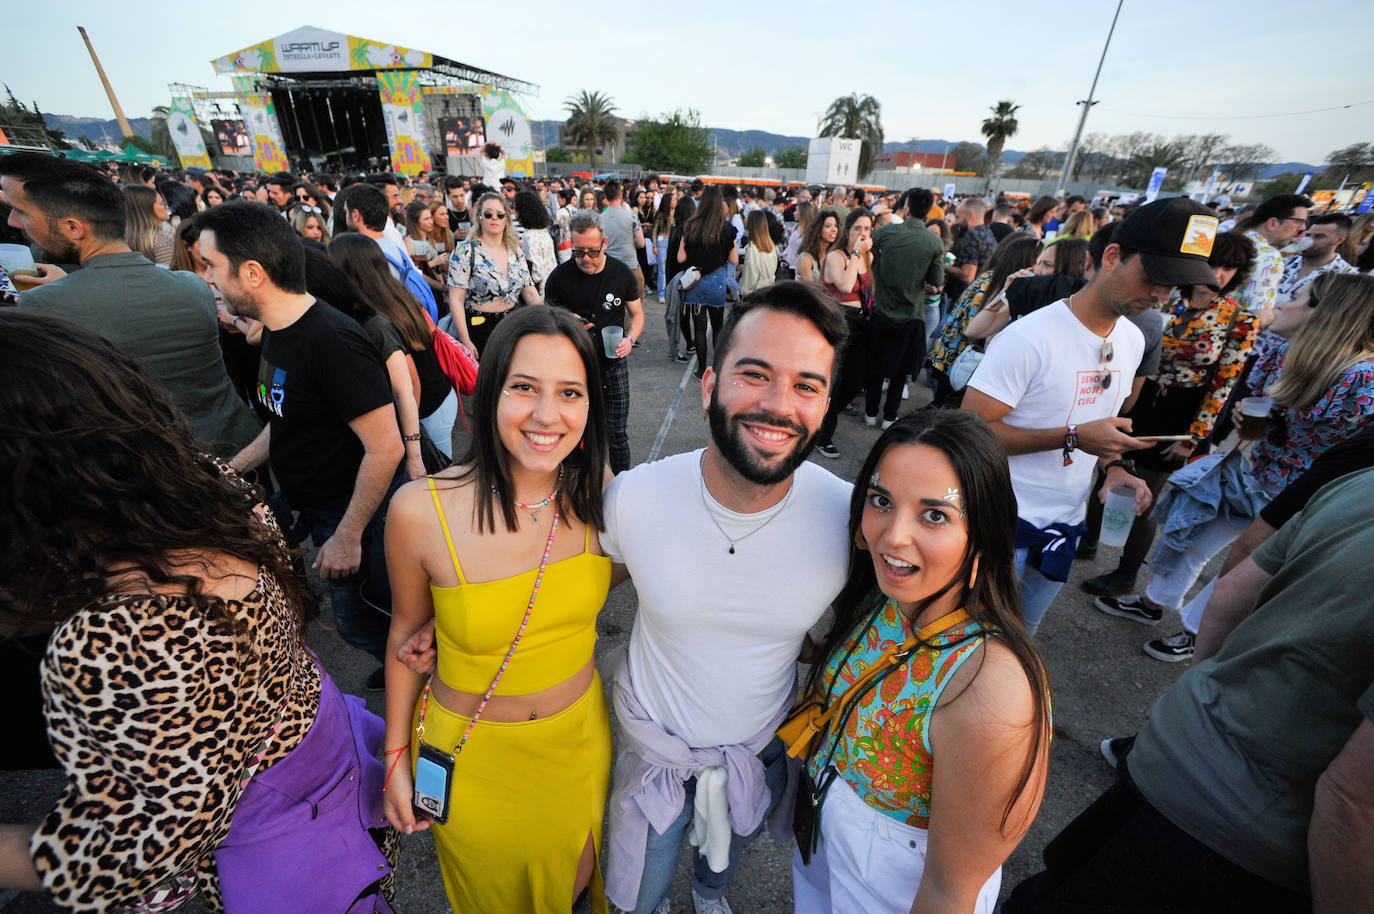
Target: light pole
1087,106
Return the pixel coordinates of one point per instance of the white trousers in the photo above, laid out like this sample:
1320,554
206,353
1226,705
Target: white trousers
1168,589
866,862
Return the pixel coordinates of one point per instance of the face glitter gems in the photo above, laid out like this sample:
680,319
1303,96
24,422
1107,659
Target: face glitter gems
954,498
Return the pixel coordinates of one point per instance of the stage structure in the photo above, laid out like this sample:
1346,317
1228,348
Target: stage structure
339,101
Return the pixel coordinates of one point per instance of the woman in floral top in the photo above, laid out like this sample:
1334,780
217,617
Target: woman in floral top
934,770
1321,376
487,275
1206,341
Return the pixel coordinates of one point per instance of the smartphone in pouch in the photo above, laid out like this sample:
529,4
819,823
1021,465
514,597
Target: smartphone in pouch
433,783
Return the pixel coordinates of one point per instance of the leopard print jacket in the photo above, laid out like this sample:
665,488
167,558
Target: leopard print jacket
155,709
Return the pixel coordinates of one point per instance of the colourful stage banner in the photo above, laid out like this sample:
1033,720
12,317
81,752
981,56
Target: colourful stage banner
507,125
269,153
311,50
405,122
190,145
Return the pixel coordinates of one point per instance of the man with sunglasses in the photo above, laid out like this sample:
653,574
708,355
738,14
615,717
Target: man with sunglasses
1275,223
600,290
1053,383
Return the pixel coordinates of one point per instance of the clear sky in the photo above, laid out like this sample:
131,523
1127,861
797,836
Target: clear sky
1175,66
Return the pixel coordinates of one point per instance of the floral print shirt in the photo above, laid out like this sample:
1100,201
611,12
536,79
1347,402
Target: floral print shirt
1292,282
1194,341
1261,290
950,341
1341,412
472,268
884,751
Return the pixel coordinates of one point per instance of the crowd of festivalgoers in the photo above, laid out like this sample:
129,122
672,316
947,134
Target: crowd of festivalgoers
201,371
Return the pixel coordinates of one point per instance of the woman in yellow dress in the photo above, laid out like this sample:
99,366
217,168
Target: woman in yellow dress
501,551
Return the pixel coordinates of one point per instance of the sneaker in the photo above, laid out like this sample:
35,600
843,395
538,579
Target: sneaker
1173,649
710,905
664,907
1087,547
906,392
1111,584
870,421
376,681
1114,749
887,424
1130,607
828,451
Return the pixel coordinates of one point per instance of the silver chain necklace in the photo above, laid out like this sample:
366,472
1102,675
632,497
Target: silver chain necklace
701,467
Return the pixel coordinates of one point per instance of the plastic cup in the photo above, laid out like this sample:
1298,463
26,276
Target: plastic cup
1118,514
1254,417
610,339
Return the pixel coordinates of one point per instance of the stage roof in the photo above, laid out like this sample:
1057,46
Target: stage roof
311,50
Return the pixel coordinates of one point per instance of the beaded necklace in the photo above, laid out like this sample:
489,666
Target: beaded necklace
481,706
538,506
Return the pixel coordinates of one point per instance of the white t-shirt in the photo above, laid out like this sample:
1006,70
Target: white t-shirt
714,646
1046,367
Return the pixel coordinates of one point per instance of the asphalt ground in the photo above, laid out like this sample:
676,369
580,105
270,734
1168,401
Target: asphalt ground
1103,685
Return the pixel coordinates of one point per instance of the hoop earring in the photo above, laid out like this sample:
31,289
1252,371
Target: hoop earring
973,574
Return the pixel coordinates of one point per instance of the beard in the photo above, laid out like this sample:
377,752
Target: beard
242,305
729,437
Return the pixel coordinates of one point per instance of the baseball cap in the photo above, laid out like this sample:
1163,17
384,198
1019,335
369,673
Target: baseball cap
1174,238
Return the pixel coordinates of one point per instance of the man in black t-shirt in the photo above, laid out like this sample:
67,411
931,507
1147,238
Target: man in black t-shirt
600,290
331,437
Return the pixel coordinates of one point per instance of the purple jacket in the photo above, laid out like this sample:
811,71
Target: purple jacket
299,839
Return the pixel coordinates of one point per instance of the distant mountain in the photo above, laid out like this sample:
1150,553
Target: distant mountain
98,129
729,144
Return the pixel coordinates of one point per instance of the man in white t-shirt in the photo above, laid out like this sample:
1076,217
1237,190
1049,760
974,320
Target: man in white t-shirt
1053,383
736,551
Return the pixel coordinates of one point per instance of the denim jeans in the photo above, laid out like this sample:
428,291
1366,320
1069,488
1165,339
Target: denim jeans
661,850
1037,591
661,249
356,599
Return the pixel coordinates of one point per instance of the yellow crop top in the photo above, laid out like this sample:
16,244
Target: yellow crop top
474,624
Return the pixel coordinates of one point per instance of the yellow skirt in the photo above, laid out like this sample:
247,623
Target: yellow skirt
525,797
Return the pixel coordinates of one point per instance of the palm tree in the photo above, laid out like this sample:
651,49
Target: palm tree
858,117
997,129
591,122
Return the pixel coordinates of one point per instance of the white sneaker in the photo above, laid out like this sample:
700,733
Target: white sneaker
664,907
906,392
712,906
887,424
870,421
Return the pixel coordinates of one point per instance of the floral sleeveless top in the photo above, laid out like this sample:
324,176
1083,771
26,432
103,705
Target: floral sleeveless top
884,751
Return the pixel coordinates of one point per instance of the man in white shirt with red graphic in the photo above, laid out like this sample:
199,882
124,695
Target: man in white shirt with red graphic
1053,383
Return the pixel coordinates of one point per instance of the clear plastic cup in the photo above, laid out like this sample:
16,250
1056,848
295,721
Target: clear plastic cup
610,339
1118,514
1254,417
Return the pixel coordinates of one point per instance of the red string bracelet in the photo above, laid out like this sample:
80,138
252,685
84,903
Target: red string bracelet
388,754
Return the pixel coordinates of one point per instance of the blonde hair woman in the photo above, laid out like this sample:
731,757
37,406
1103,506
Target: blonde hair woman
1321,377
760,254
487,275
308,223
148,229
